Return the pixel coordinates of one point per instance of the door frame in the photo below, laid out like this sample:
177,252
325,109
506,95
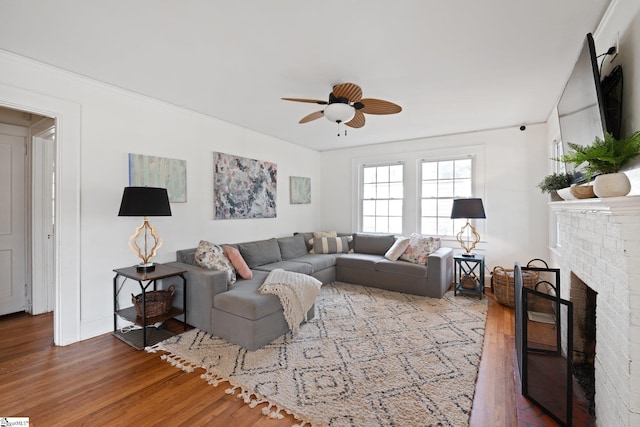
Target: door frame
67,115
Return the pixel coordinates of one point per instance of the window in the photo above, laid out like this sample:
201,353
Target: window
442,181
382,194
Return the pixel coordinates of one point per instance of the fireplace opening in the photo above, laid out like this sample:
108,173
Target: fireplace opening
584,337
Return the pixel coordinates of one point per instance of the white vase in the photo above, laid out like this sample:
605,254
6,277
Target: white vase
612,185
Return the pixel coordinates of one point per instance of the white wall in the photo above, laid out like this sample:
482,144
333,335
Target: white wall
114,123
514,163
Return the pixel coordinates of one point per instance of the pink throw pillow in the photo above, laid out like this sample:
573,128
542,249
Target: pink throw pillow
238,262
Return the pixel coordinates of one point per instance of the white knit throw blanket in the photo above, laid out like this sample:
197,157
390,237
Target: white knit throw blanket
297,293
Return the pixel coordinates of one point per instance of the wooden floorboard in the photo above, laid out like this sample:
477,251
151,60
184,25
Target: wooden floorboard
104,381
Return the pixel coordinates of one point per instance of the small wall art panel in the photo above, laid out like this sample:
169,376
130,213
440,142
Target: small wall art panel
244,188
151,171
299,190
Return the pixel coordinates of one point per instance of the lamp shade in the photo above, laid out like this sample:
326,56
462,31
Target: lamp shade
467,208
145,201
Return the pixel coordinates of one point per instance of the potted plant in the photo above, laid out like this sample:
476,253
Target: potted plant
554,182
604,158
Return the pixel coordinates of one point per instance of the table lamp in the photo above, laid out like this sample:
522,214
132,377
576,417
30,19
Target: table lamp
468,208
145,202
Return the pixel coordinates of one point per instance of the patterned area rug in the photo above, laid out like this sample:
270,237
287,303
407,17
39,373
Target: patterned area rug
370,358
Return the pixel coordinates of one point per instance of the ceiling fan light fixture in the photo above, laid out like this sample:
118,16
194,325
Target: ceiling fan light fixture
339,112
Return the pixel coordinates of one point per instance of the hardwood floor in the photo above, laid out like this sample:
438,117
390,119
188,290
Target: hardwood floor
103,381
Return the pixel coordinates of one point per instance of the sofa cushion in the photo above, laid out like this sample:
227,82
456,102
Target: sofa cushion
298,267
292,247
318,261
358,260
419,248
260,252
307,238
377,244
402,267
244,299
211,256
330,245
399,246
237,261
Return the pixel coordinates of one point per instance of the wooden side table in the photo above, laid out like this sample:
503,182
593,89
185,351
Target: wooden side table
468,274
141,338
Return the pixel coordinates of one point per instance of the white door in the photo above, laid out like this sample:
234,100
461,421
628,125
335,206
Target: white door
12,219
43,225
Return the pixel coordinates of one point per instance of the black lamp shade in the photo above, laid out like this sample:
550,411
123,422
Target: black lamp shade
145,201
467,208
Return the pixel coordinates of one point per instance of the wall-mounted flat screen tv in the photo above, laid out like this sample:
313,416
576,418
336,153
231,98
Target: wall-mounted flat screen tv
580,109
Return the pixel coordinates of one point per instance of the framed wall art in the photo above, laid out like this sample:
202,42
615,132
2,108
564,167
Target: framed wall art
152,171
244,188
299,190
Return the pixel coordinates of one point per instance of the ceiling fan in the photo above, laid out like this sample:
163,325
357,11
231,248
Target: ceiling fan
346,105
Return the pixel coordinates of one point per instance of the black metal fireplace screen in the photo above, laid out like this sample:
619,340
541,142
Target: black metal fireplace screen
544,342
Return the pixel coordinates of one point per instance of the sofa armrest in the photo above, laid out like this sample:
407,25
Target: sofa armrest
439,272
202,286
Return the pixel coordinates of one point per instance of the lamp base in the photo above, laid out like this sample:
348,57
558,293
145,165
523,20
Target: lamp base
469,255
146,268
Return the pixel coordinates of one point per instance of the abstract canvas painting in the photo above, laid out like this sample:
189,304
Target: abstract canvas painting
299,190
244,188
151,171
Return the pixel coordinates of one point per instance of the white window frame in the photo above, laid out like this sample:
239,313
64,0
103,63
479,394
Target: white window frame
361,198
473,192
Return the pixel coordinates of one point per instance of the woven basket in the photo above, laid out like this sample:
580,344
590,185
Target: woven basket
157,303
504,286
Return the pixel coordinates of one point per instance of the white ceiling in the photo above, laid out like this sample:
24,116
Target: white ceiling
454,66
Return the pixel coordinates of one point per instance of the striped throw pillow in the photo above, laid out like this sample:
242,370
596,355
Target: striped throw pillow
331,245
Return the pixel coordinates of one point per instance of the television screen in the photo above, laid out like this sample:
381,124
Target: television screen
580,108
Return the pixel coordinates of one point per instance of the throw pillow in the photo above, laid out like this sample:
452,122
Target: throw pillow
318,234
330,245
419,248
398,248
237,261
211,256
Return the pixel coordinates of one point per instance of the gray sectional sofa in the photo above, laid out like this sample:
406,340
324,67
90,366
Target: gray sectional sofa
241,315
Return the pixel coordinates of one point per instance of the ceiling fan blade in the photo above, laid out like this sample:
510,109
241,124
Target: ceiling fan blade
312,101
350,91
310,117
379,106
357,121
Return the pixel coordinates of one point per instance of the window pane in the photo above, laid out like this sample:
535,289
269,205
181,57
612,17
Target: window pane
429,207
369,175
395,225
395,173
445,188
382,207
444,207
429,188
445,169
382,224
445,228
463,168
395,208
382,191
395,191
463,188
429,226
369,191
369,223
369,207
430,170
383,174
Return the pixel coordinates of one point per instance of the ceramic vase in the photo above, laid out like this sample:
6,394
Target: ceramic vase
612,185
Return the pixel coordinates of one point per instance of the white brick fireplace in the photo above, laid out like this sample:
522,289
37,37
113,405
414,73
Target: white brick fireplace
599,242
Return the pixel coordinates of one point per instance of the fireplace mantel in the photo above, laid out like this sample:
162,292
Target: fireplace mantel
613,205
